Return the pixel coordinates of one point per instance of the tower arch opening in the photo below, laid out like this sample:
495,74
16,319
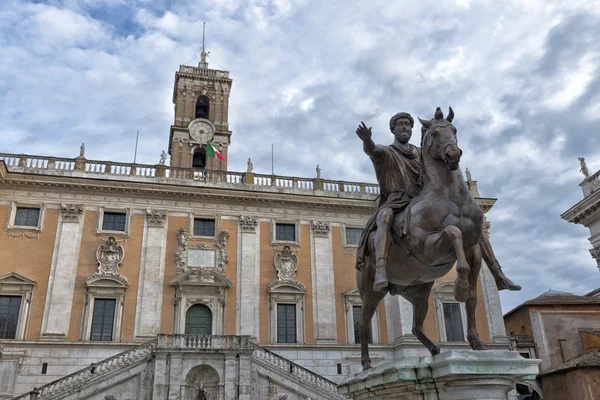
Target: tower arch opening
202,107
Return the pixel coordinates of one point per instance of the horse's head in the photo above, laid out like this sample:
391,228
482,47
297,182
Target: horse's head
439,139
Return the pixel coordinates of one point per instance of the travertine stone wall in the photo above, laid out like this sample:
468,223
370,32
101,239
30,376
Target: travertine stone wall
61,283
248,282
151,278
323,283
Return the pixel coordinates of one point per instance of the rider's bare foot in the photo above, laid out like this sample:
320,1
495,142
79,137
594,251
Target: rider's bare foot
502,281
381,280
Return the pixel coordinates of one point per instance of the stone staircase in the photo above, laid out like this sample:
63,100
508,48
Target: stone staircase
137,364
94,374
288,370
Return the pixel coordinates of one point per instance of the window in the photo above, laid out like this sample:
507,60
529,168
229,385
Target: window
353,236
286,323
204,227
285,232
27,216
199,160
453,322
198,320
356,310
10,307
202,107
113,221
286,311
103,319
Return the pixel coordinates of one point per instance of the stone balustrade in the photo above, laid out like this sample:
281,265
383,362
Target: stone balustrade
196,342
165,174
186,69
83,377
295,371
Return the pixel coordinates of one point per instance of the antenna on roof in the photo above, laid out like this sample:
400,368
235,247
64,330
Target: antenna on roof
203,63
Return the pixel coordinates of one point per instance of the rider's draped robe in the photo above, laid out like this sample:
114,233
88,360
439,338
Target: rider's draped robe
398,171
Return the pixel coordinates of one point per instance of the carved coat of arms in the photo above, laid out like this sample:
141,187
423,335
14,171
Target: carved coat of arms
109,255
286,263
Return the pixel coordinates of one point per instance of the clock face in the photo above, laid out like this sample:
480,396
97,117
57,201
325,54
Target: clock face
201,131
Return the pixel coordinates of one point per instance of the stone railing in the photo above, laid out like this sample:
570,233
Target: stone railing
163,173
204,342
73,382
186,69
296,371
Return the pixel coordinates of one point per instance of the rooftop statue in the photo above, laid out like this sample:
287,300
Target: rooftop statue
414,237
584,169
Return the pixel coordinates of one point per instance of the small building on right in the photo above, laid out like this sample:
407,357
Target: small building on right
563,330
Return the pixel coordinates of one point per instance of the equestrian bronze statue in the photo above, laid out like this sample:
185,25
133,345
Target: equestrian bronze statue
427,221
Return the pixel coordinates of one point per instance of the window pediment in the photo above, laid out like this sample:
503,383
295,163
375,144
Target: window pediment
293,287
201,277
106,281
13,278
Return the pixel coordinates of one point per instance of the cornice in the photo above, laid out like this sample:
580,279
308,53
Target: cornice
583,210
182,193
204,77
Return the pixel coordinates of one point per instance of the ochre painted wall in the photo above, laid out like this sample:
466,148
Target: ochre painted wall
31,258
231,274
166,321
87,266
268,274
344,260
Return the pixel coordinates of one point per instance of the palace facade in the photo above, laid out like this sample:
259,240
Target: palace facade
160,281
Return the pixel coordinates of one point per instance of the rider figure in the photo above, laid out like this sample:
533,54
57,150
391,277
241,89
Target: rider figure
398,171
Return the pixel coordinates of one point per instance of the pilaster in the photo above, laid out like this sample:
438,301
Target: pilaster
399,317
231,376
323,283
493,307
248,278
152,268
61,282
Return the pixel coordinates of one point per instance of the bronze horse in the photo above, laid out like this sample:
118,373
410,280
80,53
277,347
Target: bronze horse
442,225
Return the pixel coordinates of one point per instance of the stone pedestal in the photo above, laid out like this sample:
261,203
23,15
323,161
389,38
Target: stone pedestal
452,375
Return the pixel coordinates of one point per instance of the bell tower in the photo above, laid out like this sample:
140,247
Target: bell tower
201,98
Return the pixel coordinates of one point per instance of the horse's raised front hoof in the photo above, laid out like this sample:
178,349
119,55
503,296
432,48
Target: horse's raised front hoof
366,364
461,290
435,350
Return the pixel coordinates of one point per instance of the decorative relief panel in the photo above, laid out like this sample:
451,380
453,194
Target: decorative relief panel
181,254
321,228
156,218
189,257
71,212
109,256
286,263
248,224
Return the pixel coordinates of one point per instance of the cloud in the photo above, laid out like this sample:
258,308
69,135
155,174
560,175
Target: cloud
520,76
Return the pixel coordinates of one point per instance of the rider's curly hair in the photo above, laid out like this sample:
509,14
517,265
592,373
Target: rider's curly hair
396,117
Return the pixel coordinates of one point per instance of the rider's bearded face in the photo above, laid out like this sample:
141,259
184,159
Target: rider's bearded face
403,130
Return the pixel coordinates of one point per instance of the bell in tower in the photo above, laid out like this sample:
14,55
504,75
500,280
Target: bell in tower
201,98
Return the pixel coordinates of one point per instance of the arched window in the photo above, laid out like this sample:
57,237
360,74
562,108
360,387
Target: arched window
199,161
198,320
202,107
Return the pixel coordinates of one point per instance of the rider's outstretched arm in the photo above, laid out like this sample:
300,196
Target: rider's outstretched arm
369,146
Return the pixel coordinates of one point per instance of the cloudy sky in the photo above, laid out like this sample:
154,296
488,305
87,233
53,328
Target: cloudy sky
522,77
